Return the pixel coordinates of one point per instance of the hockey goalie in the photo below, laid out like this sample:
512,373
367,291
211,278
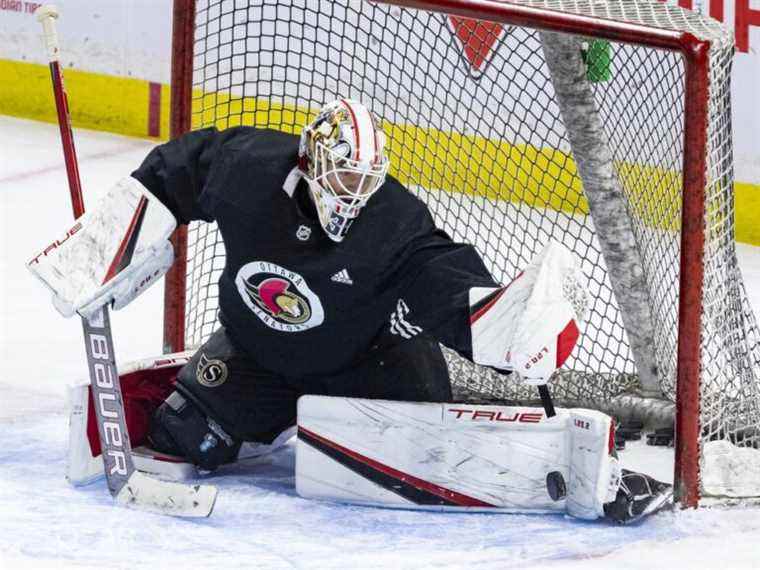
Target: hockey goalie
338,287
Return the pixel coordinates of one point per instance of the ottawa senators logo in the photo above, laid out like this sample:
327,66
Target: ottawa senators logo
273,296
279,297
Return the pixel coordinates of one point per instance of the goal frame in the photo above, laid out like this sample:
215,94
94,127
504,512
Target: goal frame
694,53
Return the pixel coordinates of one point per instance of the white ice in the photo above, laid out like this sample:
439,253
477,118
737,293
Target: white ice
259,522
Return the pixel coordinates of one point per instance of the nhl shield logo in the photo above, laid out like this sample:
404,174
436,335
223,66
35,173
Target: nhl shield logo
303,233
210,372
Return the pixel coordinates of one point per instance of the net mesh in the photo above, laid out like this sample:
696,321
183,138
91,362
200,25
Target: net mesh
475,130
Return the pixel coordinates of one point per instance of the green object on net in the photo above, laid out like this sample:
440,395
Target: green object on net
598,59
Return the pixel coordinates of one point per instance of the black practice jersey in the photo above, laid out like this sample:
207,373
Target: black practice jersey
300,304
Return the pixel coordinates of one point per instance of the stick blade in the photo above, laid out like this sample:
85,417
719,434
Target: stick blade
166,497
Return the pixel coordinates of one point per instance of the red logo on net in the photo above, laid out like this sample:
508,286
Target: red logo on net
478,40
496,416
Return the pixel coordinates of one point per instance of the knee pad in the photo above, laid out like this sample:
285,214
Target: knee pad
178,427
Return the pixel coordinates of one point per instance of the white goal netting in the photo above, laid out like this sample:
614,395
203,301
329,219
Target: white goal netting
478,129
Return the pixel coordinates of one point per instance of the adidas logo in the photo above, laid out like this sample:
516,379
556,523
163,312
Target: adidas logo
342,277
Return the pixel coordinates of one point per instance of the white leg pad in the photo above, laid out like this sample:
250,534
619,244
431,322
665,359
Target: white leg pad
81,467
594,469
450,456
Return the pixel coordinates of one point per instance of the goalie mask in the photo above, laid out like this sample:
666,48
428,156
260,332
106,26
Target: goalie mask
342,156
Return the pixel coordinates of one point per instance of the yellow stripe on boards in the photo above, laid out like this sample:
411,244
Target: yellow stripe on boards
541,178
96,101
223,111
452,162
497,170
747,212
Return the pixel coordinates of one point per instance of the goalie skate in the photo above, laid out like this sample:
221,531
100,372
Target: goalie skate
638,496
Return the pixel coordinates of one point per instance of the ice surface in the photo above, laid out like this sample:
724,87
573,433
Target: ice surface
259,522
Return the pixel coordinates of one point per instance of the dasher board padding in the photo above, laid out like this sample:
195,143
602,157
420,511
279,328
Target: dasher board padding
434,456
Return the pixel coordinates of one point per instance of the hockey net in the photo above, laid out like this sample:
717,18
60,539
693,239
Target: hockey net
513,137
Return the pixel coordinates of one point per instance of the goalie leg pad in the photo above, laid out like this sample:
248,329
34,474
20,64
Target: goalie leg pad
84,462
594,468
83,465
450,457
145,384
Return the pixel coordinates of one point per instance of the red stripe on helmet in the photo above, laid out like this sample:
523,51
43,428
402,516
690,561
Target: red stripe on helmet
374,137
356,127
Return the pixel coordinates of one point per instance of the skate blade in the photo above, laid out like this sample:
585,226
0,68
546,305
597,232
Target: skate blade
661,501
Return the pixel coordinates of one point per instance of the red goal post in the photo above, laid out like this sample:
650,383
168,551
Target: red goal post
697,42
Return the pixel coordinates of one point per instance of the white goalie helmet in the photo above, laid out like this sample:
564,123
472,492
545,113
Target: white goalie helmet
342,157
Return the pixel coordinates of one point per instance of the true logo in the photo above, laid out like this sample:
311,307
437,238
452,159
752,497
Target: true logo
279,297
57,243
506,415
211,372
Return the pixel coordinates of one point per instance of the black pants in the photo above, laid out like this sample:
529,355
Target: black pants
252,404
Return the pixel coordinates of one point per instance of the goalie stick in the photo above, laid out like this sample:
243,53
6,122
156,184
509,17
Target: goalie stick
128,486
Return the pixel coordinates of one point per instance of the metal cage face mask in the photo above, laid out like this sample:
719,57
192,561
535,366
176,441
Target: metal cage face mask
345,163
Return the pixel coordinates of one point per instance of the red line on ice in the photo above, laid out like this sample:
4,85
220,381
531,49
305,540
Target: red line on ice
61,166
